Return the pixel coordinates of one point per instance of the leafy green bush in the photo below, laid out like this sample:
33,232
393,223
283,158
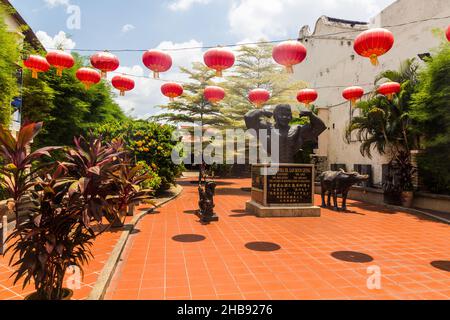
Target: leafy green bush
9,55
149,142
154,182
430,112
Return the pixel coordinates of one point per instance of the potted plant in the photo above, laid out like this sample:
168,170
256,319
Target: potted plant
55,237
128,181
406,172
91,163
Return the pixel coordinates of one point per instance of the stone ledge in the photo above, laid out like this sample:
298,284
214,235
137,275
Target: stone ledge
281,212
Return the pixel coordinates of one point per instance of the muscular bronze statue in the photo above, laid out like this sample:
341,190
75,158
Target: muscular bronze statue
291,138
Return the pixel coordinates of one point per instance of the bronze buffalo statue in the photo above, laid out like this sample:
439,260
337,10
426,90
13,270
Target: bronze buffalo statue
338,182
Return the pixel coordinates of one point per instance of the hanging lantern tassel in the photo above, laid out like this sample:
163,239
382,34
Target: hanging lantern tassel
59,72
374,60
34,73
353,102
219,73
172,99
390,96
155,75
290,69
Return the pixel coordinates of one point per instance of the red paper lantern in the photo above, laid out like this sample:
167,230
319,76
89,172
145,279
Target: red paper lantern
374,43
388,89
448,33
105,62
157,61
219,59
214,94
289,53
36,64
353,94
172,90
88,77
122,84
259,97
307,96
60,60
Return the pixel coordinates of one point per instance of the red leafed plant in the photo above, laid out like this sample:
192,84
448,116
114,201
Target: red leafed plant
17,171
69,199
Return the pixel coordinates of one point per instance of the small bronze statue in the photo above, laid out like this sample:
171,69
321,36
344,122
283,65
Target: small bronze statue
338,182
206,202
291,138
206,192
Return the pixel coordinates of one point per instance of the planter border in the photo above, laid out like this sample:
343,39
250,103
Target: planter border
99,290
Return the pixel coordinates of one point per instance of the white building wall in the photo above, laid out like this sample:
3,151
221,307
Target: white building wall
332,65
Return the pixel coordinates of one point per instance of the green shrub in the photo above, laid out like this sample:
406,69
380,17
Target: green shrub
154,182
149,142
430,112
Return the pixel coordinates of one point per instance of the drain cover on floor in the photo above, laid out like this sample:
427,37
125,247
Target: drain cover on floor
188,238
262,246
352,256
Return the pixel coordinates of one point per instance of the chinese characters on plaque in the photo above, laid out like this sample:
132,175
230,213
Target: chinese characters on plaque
291,185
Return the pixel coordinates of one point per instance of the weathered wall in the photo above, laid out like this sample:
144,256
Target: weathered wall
332,65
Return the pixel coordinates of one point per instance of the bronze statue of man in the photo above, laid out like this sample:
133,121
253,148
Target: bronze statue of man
291,138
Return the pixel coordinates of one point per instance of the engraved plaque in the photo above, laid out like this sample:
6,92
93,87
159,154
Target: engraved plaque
291,185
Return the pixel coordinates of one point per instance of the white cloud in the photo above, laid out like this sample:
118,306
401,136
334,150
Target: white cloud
141,101
183,5
57,3
127,28
256,19
60,40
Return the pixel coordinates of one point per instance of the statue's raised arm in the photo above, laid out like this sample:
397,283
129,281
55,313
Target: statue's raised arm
311,131
254,119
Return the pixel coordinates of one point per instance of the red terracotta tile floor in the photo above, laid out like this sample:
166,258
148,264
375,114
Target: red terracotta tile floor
101,250
216,261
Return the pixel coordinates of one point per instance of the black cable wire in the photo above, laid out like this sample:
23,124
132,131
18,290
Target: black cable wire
323,36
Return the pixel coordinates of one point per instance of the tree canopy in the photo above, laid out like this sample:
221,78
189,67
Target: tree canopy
430,112
9,58
65,106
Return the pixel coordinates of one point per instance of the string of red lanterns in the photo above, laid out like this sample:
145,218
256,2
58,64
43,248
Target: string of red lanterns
214,94
371,44
105,62
60,60
157,61
374,43
307,96
172,90
123,84
219,59
289,54
88,77
353,94
388,89
259,97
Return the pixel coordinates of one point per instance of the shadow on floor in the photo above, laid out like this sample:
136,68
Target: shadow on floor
187,238
191,211
352,256
231,192
441,265
240,214
263,246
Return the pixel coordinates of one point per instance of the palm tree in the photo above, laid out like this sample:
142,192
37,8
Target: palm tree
384,125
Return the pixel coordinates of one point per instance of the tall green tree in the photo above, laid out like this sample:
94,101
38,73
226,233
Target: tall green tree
385,125
192,106
9,58
65,106
255,69
430,111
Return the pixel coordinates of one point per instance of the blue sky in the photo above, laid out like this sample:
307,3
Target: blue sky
146,24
